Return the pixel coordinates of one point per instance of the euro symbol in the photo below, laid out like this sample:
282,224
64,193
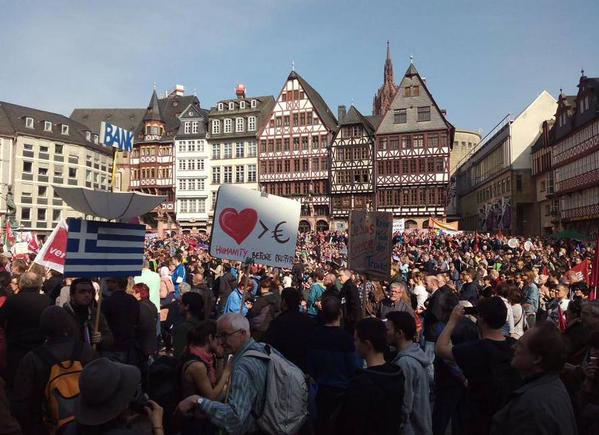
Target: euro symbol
278,233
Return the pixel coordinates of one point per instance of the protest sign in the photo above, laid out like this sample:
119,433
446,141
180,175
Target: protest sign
249,224
370,243
53,253
399,225
20,248
579,273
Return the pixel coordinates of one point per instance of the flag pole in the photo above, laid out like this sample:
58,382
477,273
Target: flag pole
98,314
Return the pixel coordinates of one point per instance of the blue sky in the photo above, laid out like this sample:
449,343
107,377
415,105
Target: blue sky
482,58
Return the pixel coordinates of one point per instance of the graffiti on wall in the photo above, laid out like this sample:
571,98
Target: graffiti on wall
495,215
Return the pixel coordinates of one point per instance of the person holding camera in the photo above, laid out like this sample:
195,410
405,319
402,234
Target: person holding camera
111,402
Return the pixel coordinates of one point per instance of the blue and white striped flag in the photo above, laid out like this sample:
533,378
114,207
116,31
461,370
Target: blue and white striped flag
103,249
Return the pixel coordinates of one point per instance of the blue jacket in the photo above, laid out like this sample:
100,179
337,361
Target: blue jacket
316,291
234,303
531,297
178,277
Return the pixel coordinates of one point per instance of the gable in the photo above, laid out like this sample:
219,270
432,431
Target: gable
411,104
190,112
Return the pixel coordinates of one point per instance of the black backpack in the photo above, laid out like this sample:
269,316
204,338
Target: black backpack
505,378
164,387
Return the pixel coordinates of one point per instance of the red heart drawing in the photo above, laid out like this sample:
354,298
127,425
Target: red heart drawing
238,225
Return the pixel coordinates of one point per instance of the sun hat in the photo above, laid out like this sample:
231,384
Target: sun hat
106,389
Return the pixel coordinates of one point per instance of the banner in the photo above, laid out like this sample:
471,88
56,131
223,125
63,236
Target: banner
399,225
250,224
370,243
434,224
52,254
578,273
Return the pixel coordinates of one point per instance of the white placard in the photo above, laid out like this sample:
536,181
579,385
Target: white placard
249,224
399,225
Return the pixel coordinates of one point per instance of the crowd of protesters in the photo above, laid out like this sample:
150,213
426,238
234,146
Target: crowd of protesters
471,334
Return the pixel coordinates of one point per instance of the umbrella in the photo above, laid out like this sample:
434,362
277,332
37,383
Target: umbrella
569,234
108,205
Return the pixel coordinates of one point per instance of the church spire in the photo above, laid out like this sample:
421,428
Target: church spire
386,93
388,77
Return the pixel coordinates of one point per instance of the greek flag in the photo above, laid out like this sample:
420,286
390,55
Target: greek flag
103,249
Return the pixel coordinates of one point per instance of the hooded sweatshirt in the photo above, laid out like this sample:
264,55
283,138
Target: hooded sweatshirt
371,402
416,409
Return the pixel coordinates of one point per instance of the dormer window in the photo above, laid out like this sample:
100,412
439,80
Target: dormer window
242,104
587,103
64,129
29,122
221,107
253,104
47,126
88,136
231,105
95,138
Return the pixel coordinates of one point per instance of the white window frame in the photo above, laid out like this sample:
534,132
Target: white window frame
64,129
187,127
253,103
251,123
221,107
242,104
228,125
29,122
216,126
252,149
239,124
228,155
239,145
47,126
228,170
200,164
195,127
96,138
251,170
215,156
231,105
88,136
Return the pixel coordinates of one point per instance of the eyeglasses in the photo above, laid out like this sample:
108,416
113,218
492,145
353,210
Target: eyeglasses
225,335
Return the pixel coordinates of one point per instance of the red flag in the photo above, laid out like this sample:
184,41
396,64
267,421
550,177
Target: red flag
594,283
578,273
9,236
53,253
33,244
545,271
562,319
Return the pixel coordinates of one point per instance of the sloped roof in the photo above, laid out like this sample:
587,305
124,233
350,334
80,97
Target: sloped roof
12,122
320,105
375,120
170,108
129,119
153,111
353,116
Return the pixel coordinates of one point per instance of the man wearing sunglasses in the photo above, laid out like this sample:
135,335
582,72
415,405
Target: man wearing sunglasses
247,390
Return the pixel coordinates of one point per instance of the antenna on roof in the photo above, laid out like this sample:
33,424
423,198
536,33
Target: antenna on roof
154,85
411,59
292,65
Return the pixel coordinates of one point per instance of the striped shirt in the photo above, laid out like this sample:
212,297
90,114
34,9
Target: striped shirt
246,396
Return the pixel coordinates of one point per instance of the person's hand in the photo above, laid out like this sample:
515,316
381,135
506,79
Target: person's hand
457,314
187,404
228,370
96,338
249,305
155,413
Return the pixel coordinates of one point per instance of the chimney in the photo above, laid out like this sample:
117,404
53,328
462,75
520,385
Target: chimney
179,90
340,113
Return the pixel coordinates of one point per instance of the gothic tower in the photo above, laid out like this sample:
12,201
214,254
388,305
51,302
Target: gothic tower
384,96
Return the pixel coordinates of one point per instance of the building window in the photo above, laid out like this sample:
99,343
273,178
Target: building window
64,129
286,121
406,91
29,122
47,126
55,215
251,173
215,151
518,183
406,143
399,116
252,123
239,174
216,175
228,174
424,113
187,127
95,138
252,151
25,214
415,91
231,105
242,104
228,128
41,214
72,172
195,127
239,150
418,141
253,104
42,191
200,164
228,151
214,195
239,125
215,126
27,167
221,107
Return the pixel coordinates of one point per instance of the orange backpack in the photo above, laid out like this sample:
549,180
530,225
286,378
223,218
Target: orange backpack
62,388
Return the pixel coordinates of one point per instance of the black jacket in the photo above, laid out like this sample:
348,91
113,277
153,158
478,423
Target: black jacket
373,402
289,334
81,323
350,305
122,314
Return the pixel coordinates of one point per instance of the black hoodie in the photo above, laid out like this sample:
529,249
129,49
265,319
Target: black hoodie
373,402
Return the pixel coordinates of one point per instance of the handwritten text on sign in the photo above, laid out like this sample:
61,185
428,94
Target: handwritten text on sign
370,243
248,224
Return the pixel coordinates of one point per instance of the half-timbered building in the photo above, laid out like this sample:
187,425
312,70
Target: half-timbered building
575,157
352,157
293,154
413,143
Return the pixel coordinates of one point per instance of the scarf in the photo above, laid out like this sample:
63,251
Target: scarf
208,359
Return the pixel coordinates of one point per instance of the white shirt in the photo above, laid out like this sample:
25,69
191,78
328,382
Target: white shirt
421,295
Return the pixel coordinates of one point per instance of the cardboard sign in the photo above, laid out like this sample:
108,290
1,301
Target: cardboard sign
248,224
399,225
370,243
